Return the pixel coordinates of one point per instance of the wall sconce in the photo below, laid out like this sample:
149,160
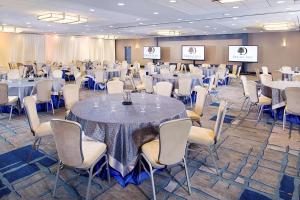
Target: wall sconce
284,42
137,45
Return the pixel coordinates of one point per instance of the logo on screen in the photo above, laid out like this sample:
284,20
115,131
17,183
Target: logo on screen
151,50
192,50
242,50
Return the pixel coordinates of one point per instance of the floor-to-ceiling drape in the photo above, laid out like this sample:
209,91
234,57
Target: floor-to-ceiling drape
65,49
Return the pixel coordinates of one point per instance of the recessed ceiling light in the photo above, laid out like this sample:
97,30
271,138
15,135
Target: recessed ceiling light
121,4
235,7
138,19
232,24
92,10
28,23
280,2
215,28
28,26
191,22
207,26
235,18
153,24
228,1
141,23
179,19
226,14
155,13
288,8
111,26
172,1
292,13
49,25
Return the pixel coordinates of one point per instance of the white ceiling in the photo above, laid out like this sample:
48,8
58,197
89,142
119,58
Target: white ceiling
136,18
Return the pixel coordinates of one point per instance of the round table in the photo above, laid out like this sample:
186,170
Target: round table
125,128
24,87
275,90
196,80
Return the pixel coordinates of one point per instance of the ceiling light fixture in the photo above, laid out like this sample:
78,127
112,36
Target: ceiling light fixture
280,26
62,18
169,33
10,29
155,13
121,4
172,1
107,37
227,1
92,10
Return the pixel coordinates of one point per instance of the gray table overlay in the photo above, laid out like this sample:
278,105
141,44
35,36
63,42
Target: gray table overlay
125,128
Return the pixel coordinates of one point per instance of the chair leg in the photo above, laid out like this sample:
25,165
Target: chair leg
260,112
215,150
214,160
89,183
52,107
56,179
191,101
152,183
34,147
284,120
107,168
11,109
243,103
187,176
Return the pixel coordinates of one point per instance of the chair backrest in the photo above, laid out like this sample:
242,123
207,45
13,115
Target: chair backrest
172,68
198,72
191,67
142,73
234,69
173,136
178,67
4,93
220,120
245,85
43,90
165,72
257,72
253,93
286,69
296,77
212,82
148,83
265,70
276,76
222,66
184,86
31,112
222,72
265,78
115,87
183,68
71,95
67,137
239,71
292,99
123,74
57,73
13,74
99,75
164,88
200,101
21,71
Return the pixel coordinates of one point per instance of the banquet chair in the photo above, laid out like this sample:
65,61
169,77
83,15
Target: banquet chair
257,73
6,100
236,70
13,74
197,112
165,72
163,88
115,87
286,69
168,150
43,93
265,70
255,100
191,68
57,74
184,88
37,69
148,83
78,153
276,76
141,85
99,78
265,78
178,67
71,96
245,90
183,68
222,75
292,103
39,130
296,77
172,68
212,86
208,137
198,72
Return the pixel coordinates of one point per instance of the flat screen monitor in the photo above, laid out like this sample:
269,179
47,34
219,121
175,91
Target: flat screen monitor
243,53
152,53
192,52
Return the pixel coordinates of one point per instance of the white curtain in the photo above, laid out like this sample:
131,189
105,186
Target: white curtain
65,49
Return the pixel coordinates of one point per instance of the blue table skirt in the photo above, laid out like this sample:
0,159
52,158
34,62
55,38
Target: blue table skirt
90,83
289,118
40,107
66,77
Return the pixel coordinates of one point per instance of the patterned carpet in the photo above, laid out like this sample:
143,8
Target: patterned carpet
257,161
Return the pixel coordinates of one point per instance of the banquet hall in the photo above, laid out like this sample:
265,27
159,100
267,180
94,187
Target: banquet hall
145,99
